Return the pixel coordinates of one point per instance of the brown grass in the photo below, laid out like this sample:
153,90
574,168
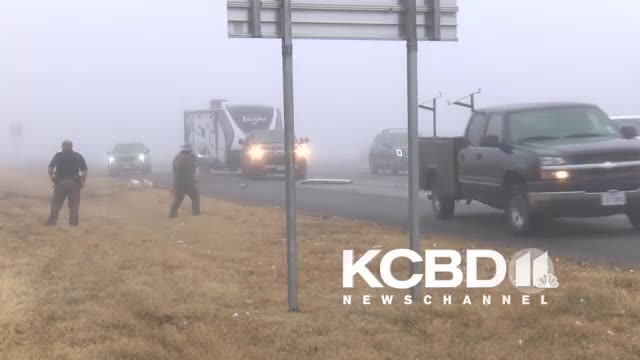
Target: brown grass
130,284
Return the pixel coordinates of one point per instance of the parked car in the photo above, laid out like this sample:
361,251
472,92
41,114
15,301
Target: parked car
389,151
263,153
536,161
130,158
628,121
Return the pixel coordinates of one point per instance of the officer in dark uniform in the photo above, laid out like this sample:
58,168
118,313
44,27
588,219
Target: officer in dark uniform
68,172
184,181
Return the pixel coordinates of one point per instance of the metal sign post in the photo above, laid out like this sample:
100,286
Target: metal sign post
289,144
408,20
434,109
412,127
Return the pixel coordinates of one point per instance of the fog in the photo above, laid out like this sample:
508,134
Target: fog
99,72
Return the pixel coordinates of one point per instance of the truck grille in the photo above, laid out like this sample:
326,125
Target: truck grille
602,180
127,158
608,157
274,158
614,171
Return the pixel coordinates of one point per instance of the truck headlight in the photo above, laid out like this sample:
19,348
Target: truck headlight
559,175
111,160
552,161
303,151
141,157
256,152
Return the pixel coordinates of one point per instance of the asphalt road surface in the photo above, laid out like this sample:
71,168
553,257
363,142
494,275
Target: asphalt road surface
383,199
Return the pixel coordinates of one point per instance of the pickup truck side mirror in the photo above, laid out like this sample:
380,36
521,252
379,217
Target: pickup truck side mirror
629,132
241,142
490,141
109,153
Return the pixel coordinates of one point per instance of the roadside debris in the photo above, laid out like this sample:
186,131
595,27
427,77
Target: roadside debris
143,183
326,181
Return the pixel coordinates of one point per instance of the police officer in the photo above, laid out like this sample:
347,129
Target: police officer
68,172
184,181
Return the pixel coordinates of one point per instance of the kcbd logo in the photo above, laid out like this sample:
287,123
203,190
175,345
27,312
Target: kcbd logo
530,270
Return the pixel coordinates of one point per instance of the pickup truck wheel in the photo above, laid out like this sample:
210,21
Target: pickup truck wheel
521,219
634,218
443,205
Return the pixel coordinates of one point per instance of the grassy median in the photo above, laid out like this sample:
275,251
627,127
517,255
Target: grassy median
131,284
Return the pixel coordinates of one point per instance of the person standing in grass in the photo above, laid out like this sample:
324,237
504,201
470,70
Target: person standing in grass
68,173
184,182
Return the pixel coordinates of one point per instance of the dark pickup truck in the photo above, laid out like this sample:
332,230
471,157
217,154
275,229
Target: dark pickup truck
536,161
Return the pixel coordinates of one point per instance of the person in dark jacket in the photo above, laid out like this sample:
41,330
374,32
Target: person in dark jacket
68,172
184,181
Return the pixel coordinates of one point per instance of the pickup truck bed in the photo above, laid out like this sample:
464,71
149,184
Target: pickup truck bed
440,155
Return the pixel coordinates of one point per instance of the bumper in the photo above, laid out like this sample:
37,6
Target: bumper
273,167
130,167
401,164
580,203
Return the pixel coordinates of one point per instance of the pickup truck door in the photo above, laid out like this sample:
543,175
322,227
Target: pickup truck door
470,158
493,160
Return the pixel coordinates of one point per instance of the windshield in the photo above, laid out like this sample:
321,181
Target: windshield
398,139
268,137
128,148
550,124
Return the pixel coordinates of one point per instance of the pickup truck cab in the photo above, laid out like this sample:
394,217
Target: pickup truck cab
536,161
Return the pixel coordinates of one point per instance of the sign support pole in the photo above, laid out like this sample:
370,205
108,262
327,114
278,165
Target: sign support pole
434,109
412,110
287,75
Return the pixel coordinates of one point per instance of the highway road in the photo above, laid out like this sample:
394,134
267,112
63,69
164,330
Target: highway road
383,199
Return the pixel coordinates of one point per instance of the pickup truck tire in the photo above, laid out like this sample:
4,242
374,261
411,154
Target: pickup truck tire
443,205
522,220
634,218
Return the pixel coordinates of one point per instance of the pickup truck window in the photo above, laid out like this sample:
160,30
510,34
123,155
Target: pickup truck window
495,126
555,123
477,127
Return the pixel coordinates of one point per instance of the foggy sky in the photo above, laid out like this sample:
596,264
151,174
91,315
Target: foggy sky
99,72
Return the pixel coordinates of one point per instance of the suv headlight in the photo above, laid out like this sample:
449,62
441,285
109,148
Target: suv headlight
111,160
552,161
141,157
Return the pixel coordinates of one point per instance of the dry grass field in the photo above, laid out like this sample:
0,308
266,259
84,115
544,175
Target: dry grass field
131,284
